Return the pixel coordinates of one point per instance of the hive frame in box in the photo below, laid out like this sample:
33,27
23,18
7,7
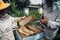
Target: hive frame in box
33,37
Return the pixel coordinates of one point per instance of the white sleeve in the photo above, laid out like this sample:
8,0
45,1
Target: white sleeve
0,33
14,24
54,24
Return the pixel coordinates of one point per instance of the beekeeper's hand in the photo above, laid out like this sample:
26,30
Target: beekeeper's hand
44,20
18,19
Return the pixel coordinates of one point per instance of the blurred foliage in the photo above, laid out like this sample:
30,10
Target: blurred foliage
35,12
22,3
16,8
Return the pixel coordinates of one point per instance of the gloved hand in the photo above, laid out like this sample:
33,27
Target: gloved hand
44,20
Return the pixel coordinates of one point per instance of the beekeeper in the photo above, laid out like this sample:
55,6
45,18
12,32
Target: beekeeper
6,22
52,19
